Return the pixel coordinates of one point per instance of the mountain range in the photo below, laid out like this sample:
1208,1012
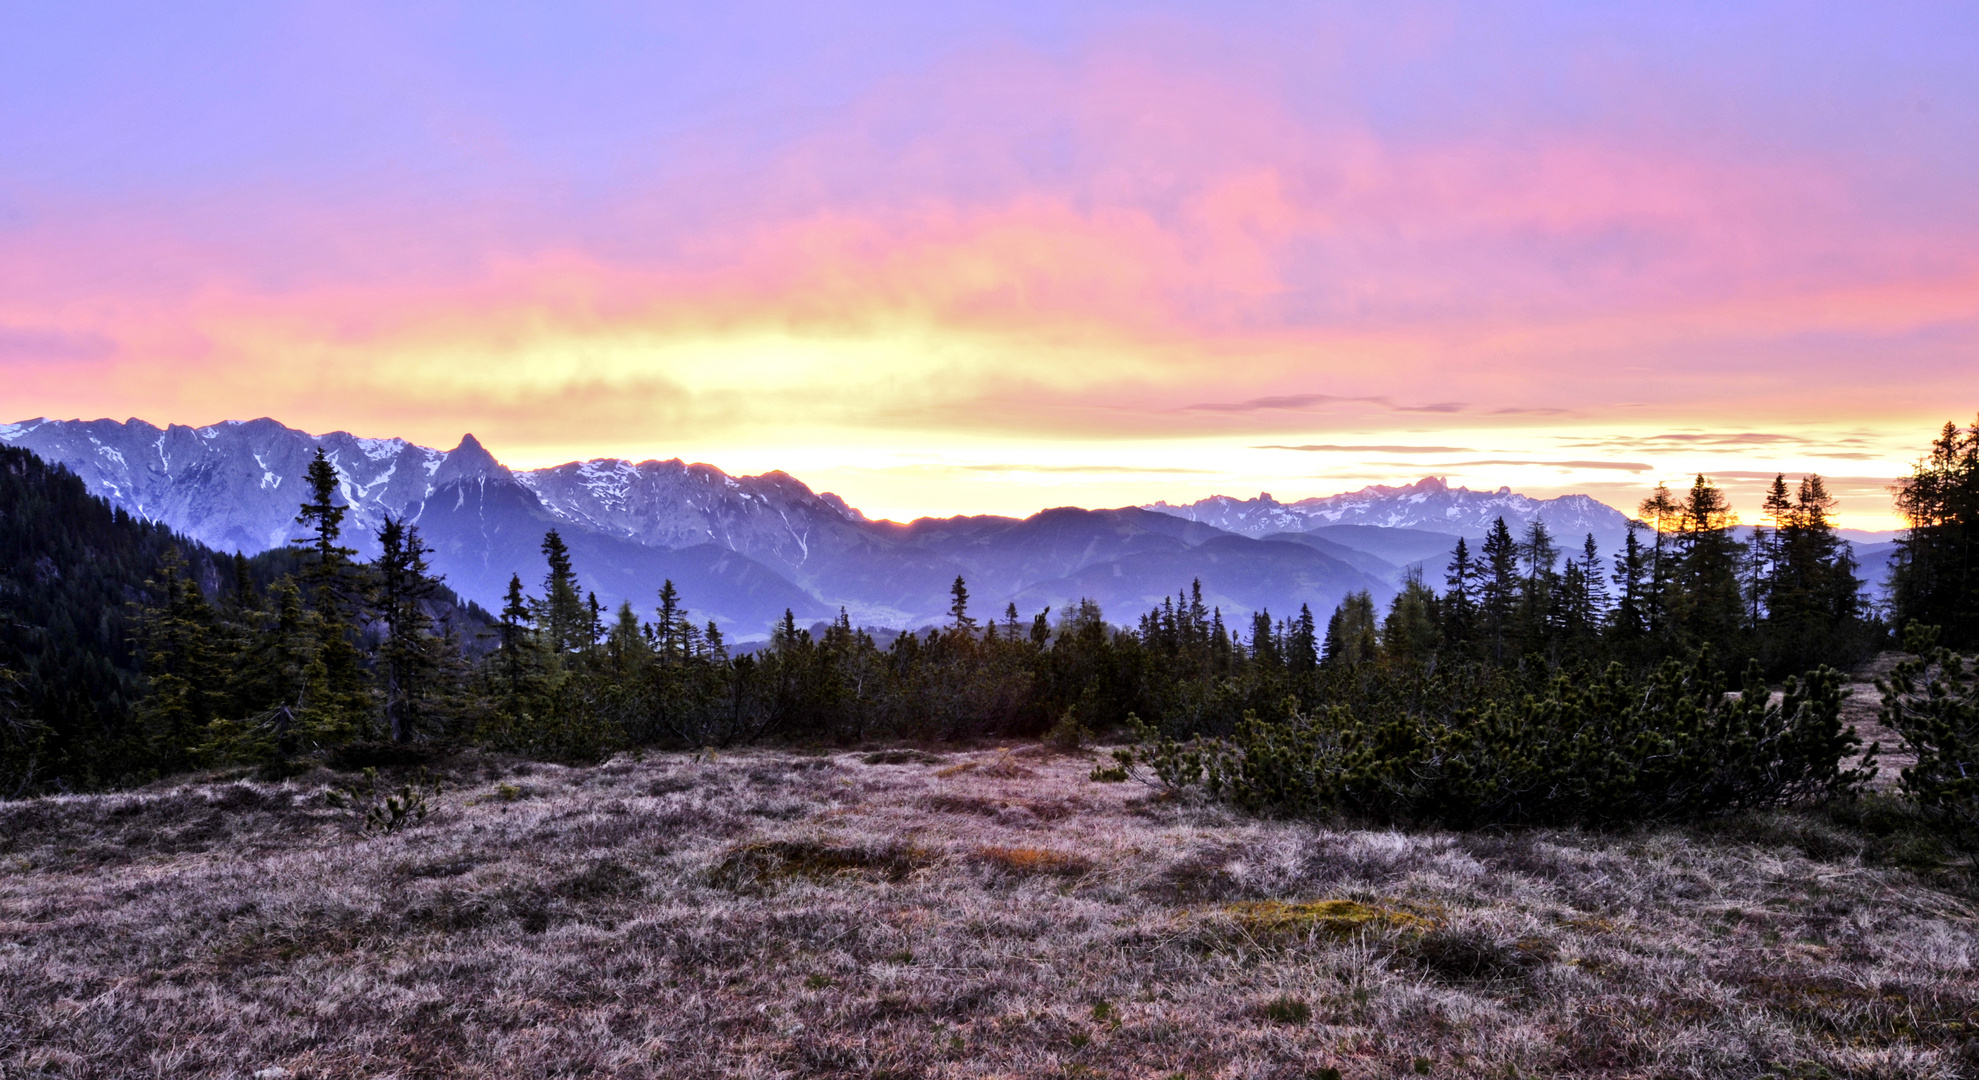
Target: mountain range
743,549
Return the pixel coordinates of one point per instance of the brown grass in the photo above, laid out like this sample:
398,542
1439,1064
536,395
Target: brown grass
770,914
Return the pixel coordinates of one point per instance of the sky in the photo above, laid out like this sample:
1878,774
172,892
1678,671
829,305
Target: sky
990,258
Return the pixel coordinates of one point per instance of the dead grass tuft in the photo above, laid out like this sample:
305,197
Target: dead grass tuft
1034,862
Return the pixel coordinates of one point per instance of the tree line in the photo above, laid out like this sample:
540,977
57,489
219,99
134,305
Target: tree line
302,651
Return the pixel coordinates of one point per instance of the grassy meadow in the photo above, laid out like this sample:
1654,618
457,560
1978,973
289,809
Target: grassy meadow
983,912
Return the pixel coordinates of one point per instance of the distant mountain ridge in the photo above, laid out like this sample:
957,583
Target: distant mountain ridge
1428,504
742,549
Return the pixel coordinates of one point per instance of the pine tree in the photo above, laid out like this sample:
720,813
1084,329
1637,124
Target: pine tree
958,610
1934,575
1351,637
560,614
335,701
1662,513
1631,618
1264,644
1705,601
516,644
1302,644
329,574
186,680
1498,595
1460,596
1412,631
1813,582
408,656
1539,586
1767,540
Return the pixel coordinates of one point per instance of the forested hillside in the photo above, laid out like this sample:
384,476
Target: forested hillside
73,575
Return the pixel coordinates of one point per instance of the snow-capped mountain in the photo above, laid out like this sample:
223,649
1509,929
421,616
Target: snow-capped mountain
744,548
1428,504
236,485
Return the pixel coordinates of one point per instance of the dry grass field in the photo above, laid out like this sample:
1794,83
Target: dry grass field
979,913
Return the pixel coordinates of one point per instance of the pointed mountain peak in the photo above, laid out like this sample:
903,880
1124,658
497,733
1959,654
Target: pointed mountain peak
468,461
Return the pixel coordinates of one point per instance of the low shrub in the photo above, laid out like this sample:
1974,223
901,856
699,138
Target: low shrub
1421,746
1932,700
381,809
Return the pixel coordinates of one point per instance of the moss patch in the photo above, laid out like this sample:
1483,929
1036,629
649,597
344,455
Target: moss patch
1332,918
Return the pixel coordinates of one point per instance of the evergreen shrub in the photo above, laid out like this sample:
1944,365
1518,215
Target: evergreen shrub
1932,700
1455,748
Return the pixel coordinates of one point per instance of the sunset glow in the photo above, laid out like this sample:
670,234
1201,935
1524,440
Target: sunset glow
997,259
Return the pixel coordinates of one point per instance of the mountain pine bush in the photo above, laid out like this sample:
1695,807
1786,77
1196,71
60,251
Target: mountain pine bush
1465,748
1932,700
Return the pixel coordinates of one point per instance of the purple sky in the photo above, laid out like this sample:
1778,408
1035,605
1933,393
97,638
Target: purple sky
971,257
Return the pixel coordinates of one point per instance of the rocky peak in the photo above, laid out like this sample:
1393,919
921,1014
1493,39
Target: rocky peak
468,461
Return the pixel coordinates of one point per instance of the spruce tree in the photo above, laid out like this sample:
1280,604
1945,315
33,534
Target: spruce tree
1934,574
335,702
1460,596
408,655
1539,586
560,613
1706,602
1631,618
1412,633
1351,637
1498,595
515,650
185,690
1663,515
1302,644
958,608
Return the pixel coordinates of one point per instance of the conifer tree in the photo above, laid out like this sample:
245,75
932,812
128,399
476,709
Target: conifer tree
408,657
335,703
1706,603
958,609
1498,595
515,644
560,613
1663,514
185,692
1934,575
329,574
1813,581
1351,637
1460,596
1539,586
1264,643
1412,632
1631,616
1302,644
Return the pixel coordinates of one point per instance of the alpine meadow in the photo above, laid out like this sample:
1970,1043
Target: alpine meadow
849,647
